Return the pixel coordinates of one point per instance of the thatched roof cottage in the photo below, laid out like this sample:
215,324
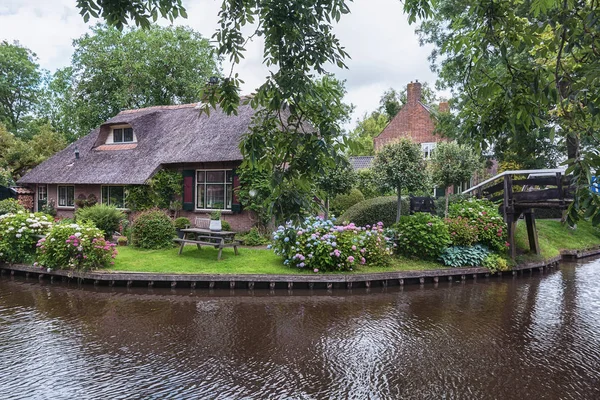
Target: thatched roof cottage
131,147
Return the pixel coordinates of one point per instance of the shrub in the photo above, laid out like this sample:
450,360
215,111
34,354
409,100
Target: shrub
342,202
225,225
10,206
422,235
49,208
181,222
378,209
75,246
254,238
322,246
18,235
464,256
462,233
122,241
440,202
104,217
483,214
495,263
153,229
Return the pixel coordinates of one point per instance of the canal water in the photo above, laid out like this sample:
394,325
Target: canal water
530,337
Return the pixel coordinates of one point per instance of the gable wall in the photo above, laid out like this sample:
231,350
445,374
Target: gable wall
413,121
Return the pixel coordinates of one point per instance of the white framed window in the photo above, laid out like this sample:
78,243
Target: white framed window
214,189
42,193
121,134
427,149
66,196
114,196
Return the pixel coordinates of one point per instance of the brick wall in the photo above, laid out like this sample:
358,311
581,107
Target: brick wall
413,121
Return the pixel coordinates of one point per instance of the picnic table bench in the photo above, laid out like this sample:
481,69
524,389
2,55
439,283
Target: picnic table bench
205,237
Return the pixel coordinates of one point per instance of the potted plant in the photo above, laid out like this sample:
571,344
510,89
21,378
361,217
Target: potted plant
181,223
215,221
122,241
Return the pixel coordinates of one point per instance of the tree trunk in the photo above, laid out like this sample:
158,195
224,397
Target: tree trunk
327,208
447,200
399,210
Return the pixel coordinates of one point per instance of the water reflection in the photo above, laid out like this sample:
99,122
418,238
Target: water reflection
531,337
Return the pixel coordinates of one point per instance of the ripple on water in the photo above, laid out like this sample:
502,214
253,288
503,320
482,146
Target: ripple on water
520,338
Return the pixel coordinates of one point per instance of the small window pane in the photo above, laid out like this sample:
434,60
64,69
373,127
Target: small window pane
118,135
200,196
229,196
229,176
215,196
105,195
117,196
70,196
200,177
215,176
128,135
62,196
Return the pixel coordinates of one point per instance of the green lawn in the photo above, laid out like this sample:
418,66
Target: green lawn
249,261
553,237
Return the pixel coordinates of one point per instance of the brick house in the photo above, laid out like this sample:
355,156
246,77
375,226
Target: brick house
131,147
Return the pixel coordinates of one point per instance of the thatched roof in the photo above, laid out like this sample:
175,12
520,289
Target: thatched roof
165,135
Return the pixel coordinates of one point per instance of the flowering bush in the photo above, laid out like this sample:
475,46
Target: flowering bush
75,246
462,233
18,235
320,245
422,235
483,214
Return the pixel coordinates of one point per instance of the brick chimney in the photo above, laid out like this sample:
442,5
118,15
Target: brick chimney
413,92
444,107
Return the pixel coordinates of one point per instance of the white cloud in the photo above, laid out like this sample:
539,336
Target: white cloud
384,48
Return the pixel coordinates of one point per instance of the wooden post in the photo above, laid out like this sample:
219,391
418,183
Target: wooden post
512,227
534,245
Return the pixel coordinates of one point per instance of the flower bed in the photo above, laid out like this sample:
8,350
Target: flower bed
75,246
19,233
321,245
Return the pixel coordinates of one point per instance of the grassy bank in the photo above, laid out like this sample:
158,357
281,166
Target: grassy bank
553,237
249,261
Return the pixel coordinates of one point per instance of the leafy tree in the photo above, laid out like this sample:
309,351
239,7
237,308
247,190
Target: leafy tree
113,70
19,84
452,164
337,180
522,69
6,178
366,129
400,166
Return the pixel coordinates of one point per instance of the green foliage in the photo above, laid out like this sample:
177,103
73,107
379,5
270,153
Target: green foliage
6,178
253,193
495,263
465,256
140,197
367,183
451,164
337,180
10,206
160,191
225,225
254,238
422,235
18,235
400,166
343,202
321,246
153,229
371,211
104,217
440,203
75,246
182,222
491,229
49,208
462,232
106,61
215,215
366,129
19,84
122,241
142,12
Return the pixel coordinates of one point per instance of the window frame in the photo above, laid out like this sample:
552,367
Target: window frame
108,199
66,205
427,149
122,128
226,186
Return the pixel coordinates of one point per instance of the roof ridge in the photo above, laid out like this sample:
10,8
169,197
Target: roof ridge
173,106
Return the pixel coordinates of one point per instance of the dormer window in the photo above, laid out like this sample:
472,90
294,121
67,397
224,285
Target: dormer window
121,134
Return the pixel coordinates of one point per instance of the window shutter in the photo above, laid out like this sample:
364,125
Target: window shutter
236,207
188,189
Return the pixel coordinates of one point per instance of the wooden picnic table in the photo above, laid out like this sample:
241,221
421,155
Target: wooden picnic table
205,237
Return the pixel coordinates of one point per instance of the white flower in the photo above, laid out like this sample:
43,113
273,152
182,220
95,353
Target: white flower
52,240
18,235
78,234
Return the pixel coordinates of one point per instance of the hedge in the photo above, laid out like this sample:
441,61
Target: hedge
378,209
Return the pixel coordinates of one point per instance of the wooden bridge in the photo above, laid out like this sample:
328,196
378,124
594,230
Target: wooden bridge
543,188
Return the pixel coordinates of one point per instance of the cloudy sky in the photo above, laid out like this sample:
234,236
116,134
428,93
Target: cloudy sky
384,48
